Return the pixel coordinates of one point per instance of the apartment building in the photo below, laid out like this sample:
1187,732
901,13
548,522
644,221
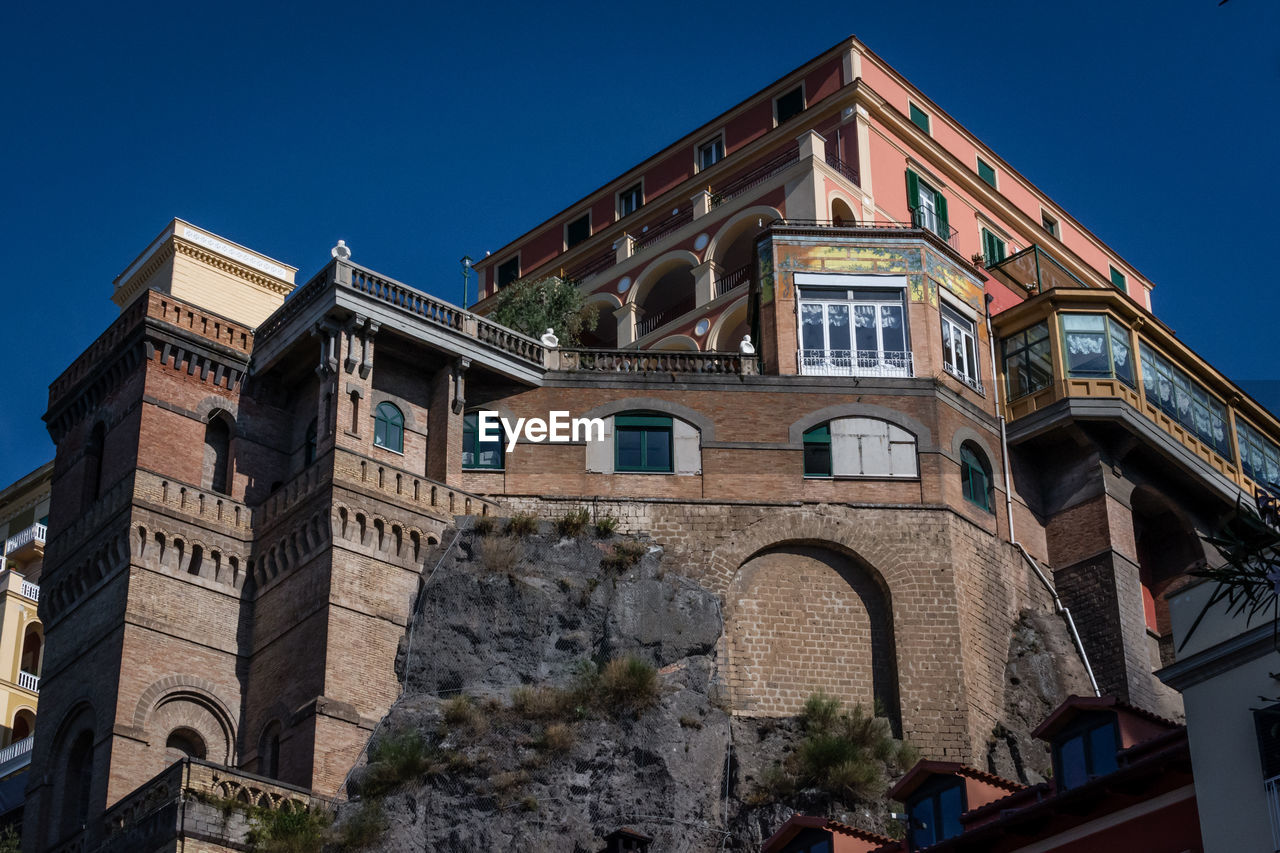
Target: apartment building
954,406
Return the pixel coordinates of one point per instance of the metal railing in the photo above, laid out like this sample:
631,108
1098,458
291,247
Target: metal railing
847,169
13,750
654,361
27,681
731,280
843,362
602,260
972,381
746,181
653,233
647,324
30,590
35,533
931,221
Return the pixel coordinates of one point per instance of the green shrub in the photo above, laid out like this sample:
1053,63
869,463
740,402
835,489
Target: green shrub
605,527
273,831
10,840
483,525
394,759
573,523
461,713
622,556
522,524
363,828
501,553
628,684
542,703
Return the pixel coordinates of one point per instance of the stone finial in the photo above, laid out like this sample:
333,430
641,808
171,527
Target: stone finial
549,339
746,347
340,251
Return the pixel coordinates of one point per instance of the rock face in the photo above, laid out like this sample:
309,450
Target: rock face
508,623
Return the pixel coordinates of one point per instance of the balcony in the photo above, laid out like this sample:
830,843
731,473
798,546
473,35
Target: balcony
16,755
1034,270
930,221
731,281
843,362
27,681
27,544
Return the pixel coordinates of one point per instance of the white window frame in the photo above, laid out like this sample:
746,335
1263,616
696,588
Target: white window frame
855,438
958,324
804,101
697,152
617,199
857,362
573,219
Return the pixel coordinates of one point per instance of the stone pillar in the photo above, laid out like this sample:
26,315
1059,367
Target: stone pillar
626,248
704,283
805,198
701,204
864,165
627,316
444,425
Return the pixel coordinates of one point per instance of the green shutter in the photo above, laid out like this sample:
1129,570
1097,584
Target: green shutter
943,227
913,190
1118,279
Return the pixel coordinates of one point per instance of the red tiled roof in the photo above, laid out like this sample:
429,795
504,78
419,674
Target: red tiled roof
922,770
798,822
1076,704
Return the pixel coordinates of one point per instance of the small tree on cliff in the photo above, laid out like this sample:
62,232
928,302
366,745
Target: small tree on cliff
533,307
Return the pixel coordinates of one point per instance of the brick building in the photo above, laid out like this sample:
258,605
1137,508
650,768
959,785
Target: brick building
955,405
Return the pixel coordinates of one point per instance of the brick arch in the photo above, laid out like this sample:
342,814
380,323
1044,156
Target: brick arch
804,615
213,403
924,437
706,427
173,684
964,434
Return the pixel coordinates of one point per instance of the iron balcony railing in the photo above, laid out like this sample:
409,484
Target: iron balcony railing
847,169
15,750
35,533
746,181
930,221
647,324
843,362
27,681
732,280
653,233
972,381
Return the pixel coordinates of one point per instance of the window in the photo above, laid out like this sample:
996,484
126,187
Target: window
1084,750
217,452
77,779
309,444
928,206
809,841
1259,456
919,118
1096,346
1118,279
854,331
710,153
508,271
186,741
992,248
642,442
817,452
477,454
577,231
789,105
1028,365
388,428
975,477
933,814
960,347
1180,397
269,751
630,200
987,172
1049,224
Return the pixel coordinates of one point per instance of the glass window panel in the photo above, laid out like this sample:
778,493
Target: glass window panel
817,460
923,831
812,326
1121,357
865,322
1071,771
657,449
838,326
630,448
1102,750
951,804
1084,322
892,328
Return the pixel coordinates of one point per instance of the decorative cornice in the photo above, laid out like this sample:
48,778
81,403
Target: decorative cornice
225,264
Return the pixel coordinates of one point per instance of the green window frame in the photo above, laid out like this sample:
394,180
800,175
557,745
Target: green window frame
987,173
1169,388
480,455
642,443
1095,346
975,477
1028,361
1259,456
919,117
993,248
388,428
817,451
1119,280
923,216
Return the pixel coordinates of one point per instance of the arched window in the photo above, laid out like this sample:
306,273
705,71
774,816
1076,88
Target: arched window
78,777
388,427
24,725
309,447
32,643
93,452
975,477
217,452
269,751
860,447
477,454
186,741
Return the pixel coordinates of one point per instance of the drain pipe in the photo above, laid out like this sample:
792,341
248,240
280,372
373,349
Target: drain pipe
1058,606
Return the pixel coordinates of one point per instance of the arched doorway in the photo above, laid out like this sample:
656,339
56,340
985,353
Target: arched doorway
842,213
804,617
605,334
24,725
730,328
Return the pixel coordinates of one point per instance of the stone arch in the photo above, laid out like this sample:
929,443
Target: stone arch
664,291
804,615
24,724
655,271
924,437
406,409
843,209
219,434
963,434
676,343
605,334
213,403
72,760
185,700
727,331
721,248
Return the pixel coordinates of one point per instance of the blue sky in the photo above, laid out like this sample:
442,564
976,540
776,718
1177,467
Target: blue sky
419,133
